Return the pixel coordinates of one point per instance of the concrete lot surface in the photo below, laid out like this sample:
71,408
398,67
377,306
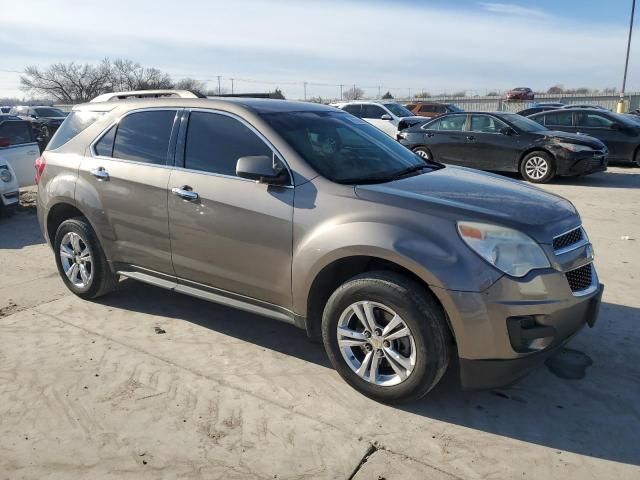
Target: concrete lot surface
148,384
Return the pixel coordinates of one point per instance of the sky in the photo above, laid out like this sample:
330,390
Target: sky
397,45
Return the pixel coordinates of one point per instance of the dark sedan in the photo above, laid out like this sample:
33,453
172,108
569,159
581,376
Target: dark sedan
506,142
619,133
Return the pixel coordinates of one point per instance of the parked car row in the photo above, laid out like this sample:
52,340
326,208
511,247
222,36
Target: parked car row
390,117
44,120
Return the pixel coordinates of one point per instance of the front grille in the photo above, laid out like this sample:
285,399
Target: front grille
567,239
580,278
597,162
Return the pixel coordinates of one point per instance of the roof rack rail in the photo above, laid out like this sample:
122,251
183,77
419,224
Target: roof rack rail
132,95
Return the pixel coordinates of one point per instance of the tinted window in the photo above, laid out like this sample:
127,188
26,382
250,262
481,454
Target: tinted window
48,112
486,124
372,111
428,108
354,109
17,132
75,123
341,147
593,120
558,119
452,123
144,137
215,142
105,146
398,110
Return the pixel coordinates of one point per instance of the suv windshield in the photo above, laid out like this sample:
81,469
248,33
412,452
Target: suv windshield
398,110
522,123
49,112
344,148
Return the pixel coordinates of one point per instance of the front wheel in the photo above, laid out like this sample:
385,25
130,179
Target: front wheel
386,336
423,152
538,167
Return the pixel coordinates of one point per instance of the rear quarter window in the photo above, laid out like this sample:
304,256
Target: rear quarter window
75,123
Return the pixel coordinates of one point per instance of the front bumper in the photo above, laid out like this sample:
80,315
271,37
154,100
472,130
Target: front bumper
582,163
9,199
513,326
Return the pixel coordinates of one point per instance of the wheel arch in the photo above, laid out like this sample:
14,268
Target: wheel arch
535,149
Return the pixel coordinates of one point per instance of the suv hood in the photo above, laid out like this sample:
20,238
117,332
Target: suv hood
460,193
571,138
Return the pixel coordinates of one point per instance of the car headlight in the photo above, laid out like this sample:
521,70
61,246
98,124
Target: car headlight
574,147
508,250
5,174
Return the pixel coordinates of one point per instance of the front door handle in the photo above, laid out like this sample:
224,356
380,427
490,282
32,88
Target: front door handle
185,192
471,137
430,134
100,173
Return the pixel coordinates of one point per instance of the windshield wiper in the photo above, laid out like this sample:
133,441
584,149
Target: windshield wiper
386,178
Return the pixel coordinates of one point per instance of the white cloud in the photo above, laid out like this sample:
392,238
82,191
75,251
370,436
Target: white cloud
512,9
368,43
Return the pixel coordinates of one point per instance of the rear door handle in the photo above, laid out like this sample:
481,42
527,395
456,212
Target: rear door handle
429,134
185,192
100,173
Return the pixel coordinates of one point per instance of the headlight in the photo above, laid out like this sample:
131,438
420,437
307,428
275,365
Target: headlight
508,250
5,174
574,147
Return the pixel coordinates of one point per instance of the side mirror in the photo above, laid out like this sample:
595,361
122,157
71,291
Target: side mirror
386,116
507,131
5,142
261,169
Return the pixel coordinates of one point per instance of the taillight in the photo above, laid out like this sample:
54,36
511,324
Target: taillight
39,166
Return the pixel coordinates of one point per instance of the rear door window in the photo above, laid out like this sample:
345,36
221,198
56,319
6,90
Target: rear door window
75,123
215,143
486,124
558,119
593,120
144,137
354,110
18,133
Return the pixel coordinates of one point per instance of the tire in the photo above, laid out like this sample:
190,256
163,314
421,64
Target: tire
428,343
98,278
538,167
423,152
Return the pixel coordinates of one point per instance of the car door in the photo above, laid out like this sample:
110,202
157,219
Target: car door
122,187
354,109
446,138
618,140
488,147
229,233
561,120
19,148
373,114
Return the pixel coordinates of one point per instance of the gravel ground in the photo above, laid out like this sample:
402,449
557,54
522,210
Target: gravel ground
150,384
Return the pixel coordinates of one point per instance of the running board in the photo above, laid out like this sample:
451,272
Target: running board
214,295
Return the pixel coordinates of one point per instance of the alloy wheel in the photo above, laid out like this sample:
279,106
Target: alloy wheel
376,343
536,167
422,154
76,260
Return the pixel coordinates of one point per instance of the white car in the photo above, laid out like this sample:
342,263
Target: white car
19,148
387,116
9,195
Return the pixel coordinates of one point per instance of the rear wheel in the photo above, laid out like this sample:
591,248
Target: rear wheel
81,262
386,336
423,152
538,167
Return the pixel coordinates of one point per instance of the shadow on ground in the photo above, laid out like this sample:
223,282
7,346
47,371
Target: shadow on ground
579,415
20,230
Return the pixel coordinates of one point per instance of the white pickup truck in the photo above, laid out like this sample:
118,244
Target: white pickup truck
19,148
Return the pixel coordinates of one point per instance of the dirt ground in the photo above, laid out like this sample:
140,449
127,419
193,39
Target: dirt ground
147,384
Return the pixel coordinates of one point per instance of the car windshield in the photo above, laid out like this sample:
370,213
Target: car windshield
49,112
522,123
344,148
455,108
398,110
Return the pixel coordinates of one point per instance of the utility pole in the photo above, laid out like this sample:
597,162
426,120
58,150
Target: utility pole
305,90
231,85
341,85
409,94
378,91
621,105
219,88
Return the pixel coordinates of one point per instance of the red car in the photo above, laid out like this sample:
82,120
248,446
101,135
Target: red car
520,93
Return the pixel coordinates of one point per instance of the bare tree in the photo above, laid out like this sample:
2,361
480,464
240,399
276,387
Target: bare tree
354,93
66,83
126,75
191,84
556,89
